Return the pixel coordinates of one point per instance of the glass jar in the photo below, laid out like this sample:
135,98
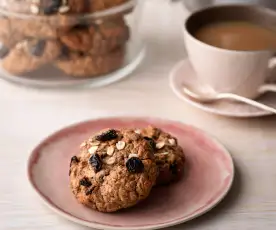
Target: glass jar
52,43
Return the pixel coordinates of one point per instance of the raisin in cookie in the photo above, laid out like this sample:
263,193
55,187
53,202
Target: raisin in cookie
97,38
114,170
169,155
29,55
84,65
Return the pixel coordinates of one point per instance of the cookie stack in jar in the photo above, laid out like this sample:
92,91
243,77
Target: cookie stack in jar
81,38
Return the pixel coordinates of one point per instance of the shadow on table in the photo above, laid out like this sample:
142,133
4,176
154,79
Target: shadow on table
221,209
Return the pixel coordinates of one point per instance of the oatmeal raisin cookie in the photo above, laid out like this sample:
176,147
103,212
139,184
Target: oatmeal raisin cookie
97,38
115,169
169,155
79,64
29,55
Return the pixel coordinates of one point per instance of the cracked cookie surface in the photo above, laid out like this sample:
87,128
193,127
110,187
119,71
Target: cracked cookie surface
115,169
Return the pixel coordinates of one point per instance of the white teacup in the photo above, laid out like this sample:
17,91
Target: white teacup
229,71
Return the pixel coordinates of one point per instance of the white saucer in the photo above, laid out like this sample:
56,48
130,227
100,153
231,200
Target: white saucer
183,74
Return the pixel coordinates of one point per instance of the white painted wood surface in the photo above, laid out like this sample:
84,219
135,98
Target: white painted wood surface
27,116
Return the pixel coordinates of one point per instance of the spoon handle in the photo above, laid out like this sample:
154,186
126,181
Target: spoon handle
267,88
247,101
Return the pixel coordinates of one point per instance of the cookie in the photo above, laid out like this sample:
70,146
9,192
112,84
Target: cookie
13,30
43,26
114,170
169,155
98,38
29,55
51,7
8,36
33,28
46,7
84,65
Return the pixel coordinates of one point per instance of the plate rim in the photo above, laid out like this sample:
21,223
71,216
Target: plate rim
200,105
96,225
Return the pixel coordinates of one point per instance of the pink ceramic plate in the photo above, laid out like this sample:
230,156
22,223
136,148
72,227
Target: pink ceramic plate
208,178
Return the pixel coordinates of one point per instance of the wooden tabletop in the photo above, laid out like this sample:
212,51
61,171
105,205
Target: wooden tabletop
28,115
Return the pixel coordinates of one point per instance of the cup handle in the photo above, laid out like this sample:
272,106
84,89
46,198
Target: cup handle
272,62
269,87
